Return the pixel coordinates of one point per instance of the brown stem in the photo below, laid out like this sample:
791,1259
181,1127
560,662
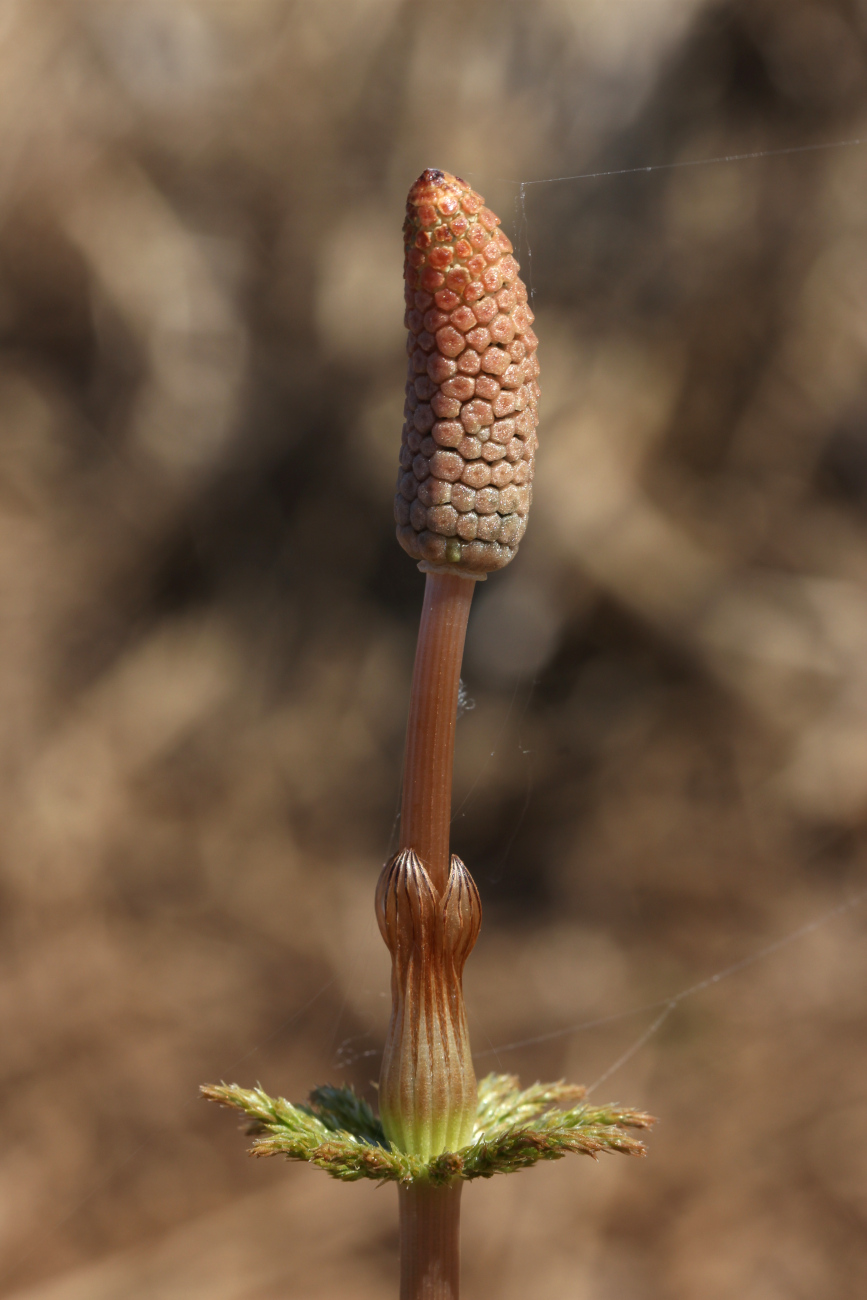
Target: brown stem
430,734
430,1248
430,1216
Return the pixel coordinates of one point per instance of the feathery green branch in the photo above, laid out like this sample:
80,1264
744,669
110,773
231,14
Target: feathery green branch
337,1131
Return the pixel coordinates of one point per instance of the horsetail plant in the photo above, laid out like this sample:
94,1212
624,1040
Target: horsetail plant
464,490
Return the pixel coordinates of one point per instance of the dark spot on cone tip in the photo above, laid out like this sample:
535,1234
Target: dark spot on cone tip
433,175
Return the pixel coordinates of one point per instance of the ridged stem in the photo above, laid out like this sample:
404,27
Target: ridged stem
430,1252
430,1216
430,735
427,1086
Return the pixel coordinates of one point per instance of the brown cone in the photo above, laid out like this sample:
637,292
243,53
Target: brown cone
467,452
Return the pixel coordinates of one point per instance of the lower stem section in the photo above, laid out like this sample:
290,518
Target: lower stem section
430,1246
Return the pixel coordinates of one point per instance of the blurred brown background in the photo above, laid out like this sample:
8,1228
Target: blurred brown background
208,631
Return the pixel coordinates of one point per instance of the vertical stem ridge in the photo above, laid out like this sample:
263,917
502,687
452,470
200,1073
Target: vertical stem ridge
430,1248
430,737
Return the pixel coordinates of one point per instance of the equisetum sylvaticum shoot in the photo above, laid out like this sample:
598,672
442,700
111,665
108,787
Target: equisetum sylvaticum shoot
463,493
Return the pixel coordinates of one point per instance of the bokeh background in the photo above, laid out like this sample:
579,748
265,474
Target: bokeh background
208,631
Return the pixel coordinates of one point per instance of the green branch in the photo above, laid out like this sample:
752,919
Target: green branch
337,1131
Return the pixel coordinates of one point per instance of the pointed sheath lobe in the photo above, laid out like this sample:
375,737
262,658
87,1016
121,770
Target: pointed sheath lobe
469,437
427,1091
